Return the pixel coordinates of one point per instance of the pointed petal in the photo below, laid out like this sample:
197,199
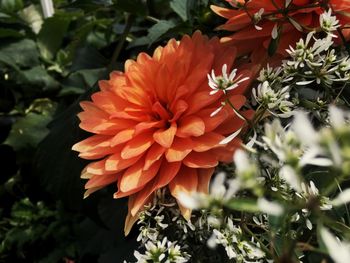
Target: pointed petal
185,181
122,136
116,163
190,126
165,137
153,154
179,150
135,177
137,146
130,219
204,176
201,160
207,141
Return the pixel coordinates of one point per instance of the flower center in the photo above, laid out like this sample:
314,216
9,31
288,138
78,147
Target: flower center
161,112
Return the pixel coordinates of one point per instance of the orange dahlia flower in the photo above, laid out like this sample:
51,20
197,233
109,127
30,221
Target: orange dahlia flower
152,124
254,21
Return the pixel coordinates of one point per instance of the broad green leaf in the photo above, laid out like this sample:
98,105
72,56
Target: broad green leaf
180,7
83,32
88,57
39,77
28,131
22,53
339,227
11,6
243,204
7,33
154,33
57,165
80,81
51,35
159,29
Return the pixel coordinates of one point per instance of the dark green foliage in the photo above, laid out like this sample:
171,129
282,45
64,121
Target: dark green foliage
46,67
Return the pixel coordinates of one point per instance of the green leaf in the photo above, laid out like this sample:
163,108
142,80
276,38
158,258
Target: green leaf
159,29
80,81
154,33
28,131
39,77
243,204
273,46
11,6
23,53
57,165
339,227
88,57
51,35
6,33
180,7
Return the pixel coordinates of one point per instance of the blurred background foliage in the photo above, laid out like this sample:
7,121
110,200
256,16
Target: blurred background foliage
46,67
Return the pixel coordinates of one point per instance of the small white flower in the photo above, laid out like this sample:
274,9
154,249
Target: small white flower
231,137
328,22
291,177
225,82
304,130
338,251
342,199
268,207
274,33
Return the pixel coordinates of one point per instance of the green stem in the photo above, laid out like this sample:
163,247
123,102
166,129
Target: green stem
128,23
347,46
263,247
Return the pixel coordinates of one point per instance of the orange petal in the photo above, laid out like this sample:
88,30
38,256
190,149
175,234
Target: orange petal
207,141
204,176
180,148
200,160
141,198
94,147
190,126
108,101
122,136
185,181
116,163
154,154
211,122
166,173
165,137
96,168
225,154
101,180
135,176
137,146
224,12
130,219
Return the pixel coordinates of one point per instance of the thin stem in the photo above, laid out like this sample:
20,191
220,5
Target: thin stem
263,247
128,23
347,47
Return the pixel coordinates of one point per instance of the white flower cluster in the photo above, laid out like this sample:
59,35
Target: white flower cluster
156,246
288,152
230,237
313,70
162,251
